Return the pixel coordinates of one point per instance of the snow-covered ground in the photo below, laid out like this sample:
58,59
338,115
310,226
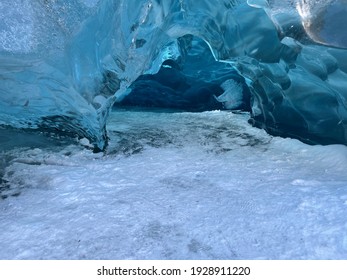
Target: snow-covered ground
175,186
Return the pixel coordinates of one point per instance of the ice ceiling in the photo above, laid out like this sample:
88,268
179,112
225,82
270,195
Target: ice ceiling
65,63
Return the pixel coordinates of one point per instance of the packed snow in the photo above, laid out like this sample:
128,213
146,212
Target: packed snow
173,185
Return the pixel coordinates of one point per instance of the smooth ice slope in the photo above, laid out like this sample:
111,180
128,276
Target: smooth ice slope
176,186
64,63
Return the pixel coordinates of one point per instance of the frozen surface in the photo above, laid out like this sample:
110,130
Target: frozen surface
174,186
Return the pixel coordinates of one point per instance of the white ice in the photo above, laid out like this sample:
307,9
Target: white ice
177,186
232,96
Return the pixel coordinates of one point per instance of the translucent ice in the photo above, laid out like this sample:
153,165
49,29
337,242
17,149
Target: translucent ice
65,63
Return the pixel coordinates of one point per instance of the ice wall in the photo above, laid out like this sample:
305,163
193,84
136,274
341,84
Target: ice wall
64,63
303,94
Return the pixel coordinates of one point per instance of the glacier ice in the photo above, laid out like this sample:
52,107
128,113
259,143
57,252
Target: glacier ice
232,97
192,84
65,63
174,185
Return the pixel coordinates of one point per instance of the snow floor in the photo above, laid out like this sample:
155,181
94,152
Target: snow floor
173,185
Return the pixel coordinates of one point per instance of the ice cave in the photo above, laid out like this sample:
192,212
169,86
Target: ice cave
64,64
259,94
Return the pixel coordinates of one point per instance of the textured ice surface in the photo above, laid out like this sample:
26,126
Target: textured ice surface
196,83
64,63
175,186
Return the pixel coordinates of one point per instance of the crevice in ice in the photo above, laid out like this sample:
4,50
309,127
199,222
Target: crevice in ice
192,82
